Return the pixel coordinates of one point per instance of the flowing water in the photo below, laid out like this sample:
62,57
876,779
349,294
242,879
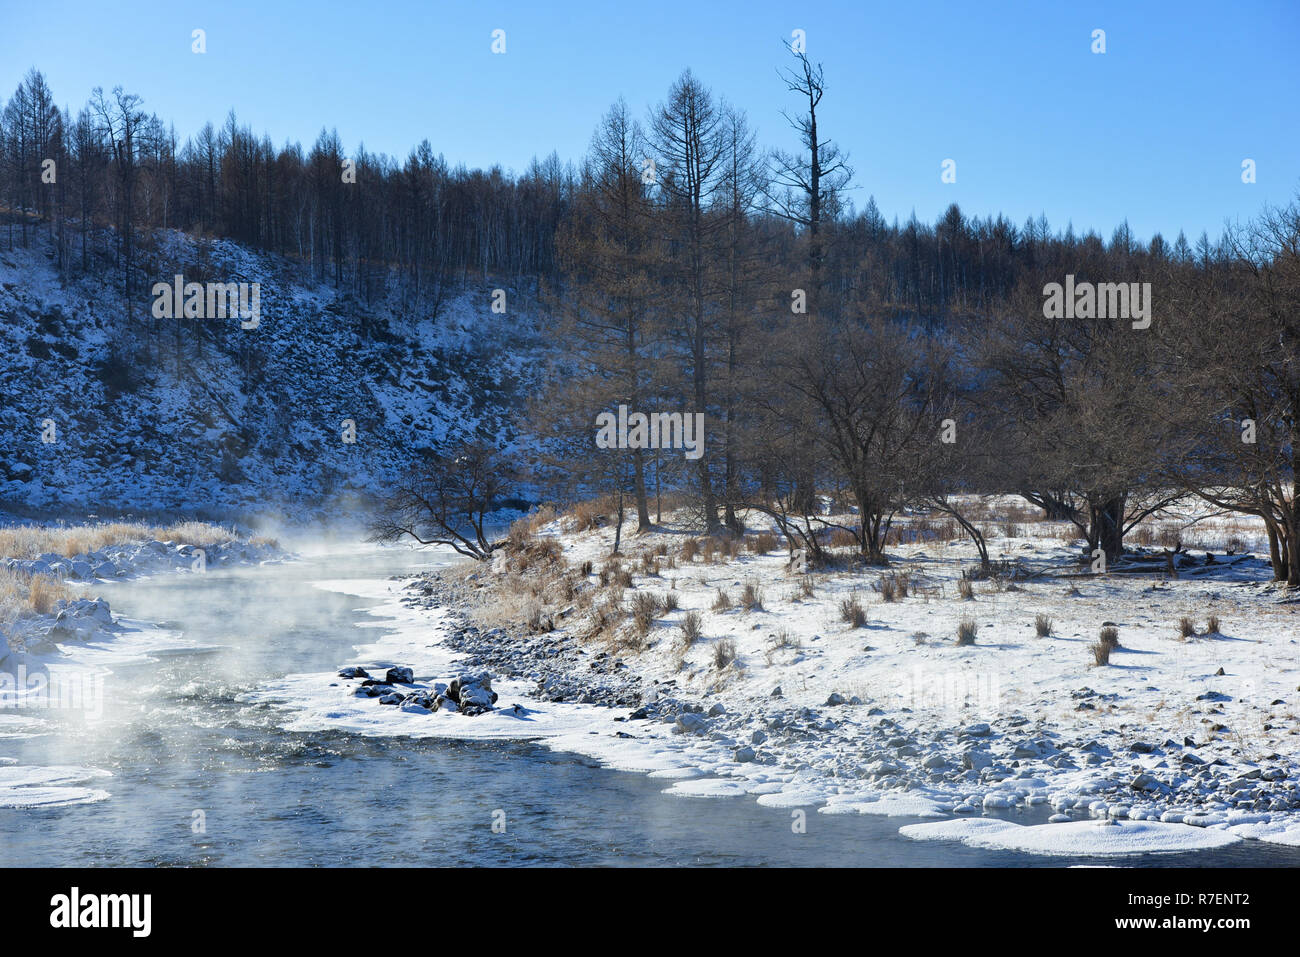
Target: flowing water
182,748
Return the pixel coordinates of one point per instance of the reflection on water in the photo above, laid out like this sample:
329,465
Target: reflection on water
201,778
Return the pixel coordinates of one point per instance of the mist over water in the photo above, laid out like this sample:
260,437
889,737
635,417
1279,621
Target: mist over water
177,740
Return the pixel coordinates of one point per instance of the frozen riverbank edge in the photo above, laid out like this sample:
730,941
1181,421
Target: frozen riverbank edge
1112,794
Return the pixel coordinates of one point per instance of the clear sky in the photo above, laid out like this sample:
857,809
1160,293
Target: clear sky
1154,130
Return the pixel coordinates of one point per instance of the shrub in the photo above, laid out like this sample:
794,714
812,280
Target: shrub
691,628
751,598
724,653
851,612
722,602
1042,625
806,586
587,567
966,589
1212,625
966,631
645,608
669,602
1186,627
1101,653
762,543
1110,636
690,548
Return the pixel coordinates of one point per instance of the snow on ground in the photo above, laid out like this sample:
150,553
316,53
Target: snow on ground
1184,743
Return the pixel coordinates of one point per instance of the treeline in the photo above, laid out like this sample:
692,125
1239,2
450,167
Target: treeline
836,357
102,178
848,368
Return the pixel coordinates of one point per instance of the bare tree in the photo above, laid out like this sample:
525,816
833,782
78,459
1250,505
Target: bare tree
446,500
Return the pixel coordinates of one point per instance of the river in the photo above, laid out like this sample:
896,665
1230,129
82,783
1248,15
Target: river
200,777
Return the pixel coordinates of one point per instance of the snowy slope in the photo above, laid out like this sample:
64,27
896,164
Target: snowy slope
206,417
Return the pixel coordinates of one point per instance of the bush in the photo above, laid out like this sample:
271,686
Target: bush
1186,627
691,628
751,598
1101,653
722,602
966,589
724,653
762,543
851,612
1212,625
690,548
1110,637
645,608
669,602
966,632
1042,625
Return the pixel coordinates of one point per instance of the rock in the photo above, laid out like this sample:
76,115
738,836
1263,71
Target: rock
1219,673
934,762
717,710
688,723
776,692
473,694
980,730
758,737
1145,782
401,676
353,672
393,697
744,754
1142,747
975,760
834,699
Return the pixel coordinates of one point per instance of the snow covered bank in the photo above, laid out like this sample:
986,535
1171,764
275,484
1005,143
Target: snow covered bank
803,709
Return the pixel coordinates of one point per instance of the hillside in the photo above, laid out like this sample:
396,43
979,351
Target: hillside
199,416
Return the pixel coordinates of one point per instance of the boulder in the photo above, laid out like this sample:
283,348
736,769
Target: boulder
401,676
473,694
688,723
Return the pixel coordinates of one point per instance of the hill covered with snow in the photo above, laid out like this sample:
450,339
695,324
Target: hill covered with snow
106,410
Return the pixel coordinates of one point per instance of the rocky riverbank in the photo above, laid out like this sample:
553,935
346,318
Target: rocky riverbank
863,747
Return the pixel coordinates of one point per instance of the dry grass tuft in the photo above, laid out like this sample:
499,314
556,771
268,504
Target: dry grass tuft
852,613
966,631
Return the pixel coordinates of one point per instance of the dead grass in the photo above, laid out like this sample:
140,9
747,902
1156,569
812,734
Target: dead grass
32,541
1042,625
692,628
724,653
22,596
852,613
966,631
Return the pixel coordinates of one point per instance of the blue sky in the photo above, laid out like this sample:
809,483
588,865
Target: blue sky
1154,130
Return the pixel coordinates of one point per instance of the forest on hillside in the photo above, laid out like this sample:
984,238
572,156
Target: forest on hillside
685,268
